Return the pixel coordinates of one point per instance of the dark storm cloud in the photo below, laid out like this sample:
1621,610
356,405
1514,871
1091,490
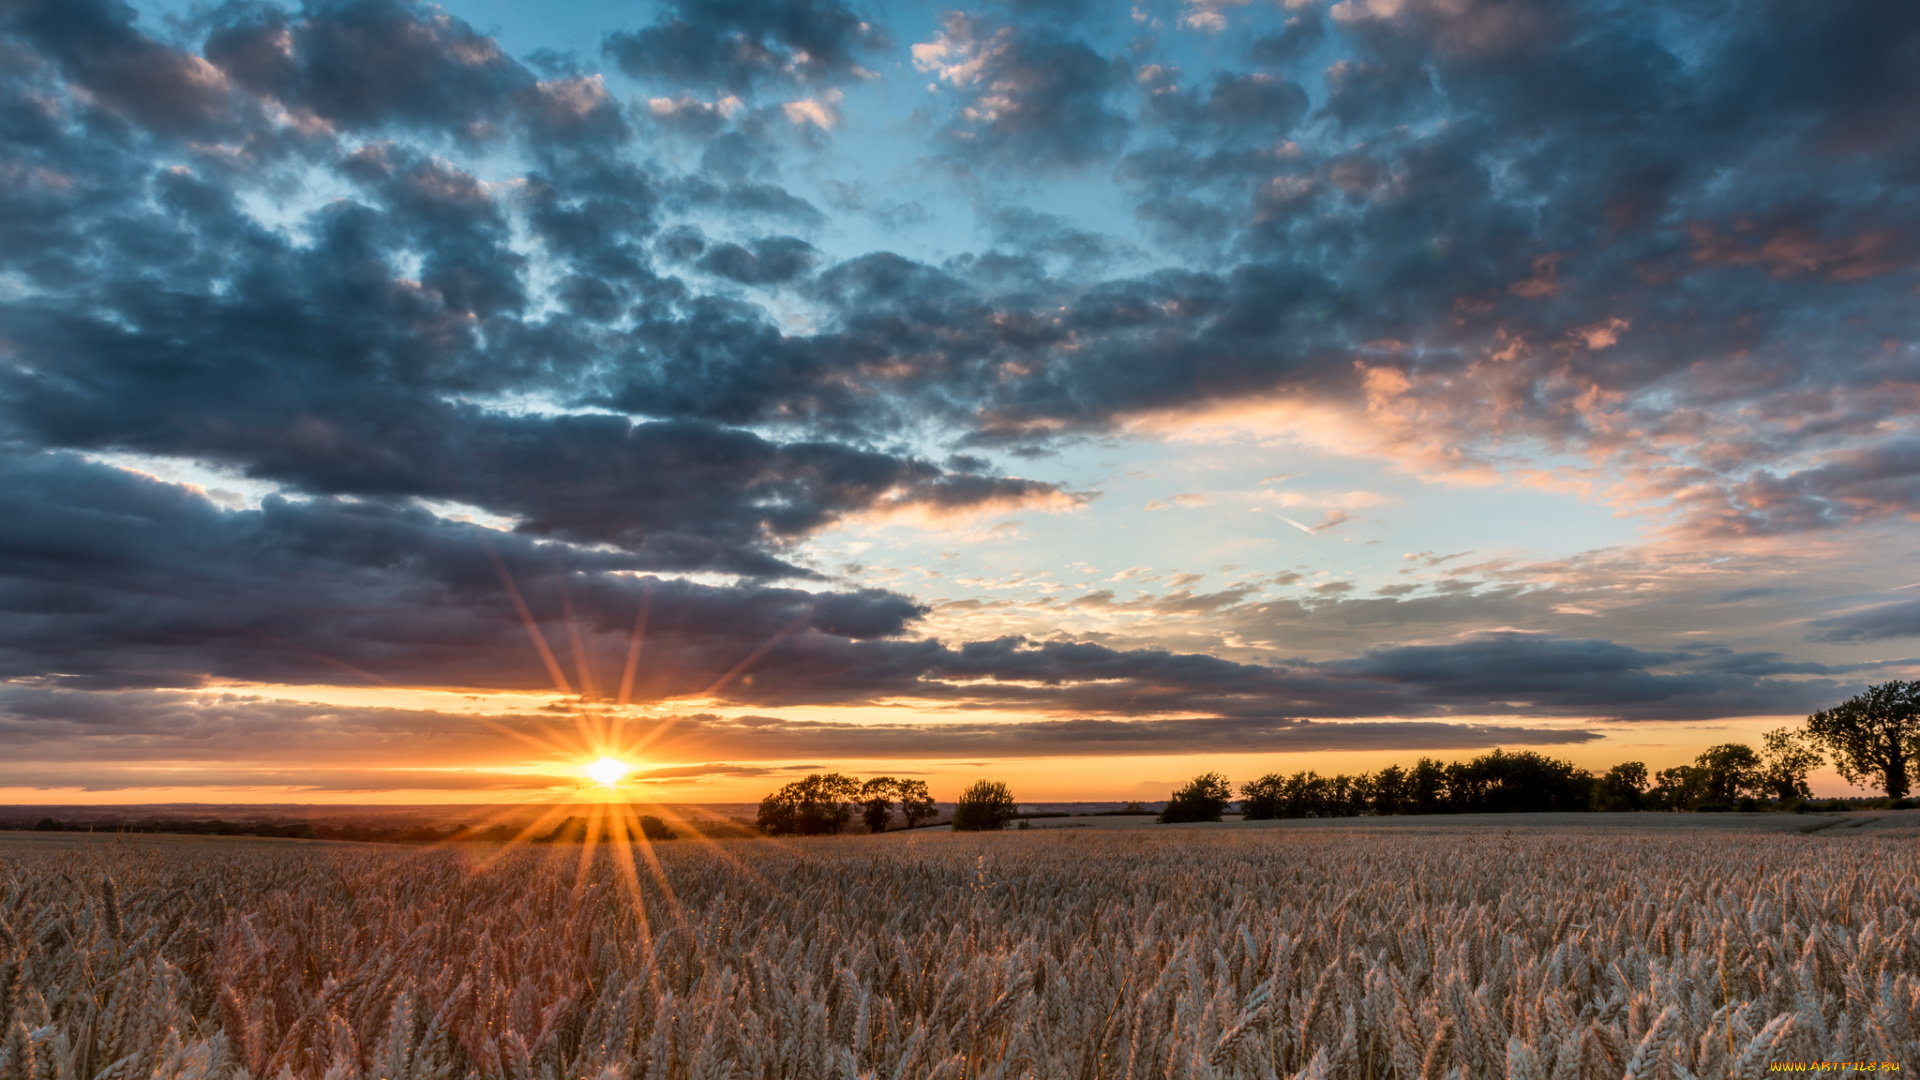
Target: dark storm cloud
1027,242
741,45
277,781
1741,596
1531,674
772,738
683,494
1296,38
1061,12
767,261
1878,623
1483,675
124,71
1257,104
1033,96
748,199
88,726
367,64
109,579
1850,487
112,578
1368,93
266,78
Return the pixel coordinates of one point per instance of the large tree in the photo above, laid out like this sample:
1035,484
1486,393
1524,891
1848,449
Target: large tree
876,802
1682,787
1728,771
1205,798
814,805
916,803
1623,788
1873,736
1263,798
1786,759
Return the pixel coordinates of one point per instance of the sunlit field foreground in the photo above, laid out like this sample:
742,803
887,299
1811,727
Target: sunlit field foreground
1353,951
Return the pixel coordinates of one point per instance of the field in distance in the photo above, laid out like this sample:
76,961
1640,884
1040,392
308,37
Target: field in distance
1558,946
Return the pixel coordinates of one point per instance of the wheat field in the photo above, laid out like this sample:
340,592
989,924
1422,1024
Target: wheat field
1318,952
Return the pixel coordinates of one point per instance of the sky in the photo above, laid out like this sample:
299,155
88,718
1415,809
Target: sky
414,403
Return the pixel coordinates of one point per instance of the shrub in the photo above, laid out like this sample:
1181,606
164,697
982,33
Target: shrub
1205,798
986,805
654,829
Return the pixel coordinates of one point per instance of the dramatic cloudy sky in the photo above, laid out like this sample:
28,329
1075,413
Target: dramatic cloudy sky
1071,394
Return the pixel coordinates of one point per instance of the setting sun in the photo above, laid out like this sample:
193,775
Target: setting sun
608,771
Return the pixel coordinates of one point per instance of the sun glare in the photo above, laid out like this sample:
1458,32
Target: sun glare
608,771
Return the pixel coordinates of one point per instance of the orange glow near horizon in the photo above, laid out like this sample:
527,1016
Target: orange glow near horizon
591,743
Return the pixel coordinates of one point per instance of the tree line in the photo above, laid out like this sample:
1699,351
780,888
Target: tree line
825,803
1873,739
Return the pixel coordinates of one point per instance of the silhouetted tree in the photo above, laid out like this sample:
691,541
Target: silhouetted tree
1353,794
1205,798
1392,793
1623,788
986,805
1308,794
1261,800
1732,770
1872,736
1786,757
810,806
1504,782
876,802
1427,788
916,804
1683,787
654,829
